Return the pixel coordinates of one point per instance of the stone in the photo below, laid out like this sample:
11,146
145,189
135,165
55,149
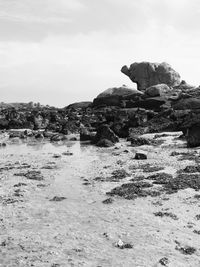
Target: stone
86,135
157,90
104,132
58,137
104,143
39,135
140,155
193,135
146,74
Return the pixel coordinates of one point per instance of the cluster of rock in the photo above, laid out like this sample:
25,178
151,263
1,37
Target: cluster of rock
161,102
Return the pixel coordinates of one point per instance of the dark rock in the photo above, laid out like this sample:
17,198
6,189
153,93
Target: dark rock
186,250
39,136
58,137
132,191
48,134
86,135
70,127
104,143
118,175
160,178
3,123
32,175
166,214
193,135
107,101
3,144
164,261
104,132
140,155
108,201
153,103
139,141
56,199
67,153
56,156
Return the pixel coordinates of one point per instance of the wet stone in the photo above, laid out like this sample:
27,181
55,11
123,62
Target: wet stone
140,155
108,201
56,198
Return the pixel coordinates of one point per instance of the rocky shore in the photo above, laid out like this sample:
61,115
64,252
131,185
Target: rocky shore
111,182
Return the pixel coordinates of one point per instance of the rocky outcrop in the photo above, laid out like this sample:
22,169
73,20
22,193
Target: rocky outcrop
146,74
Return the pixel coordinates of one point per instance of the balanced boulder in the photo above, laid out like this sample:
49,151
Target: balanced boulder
146,74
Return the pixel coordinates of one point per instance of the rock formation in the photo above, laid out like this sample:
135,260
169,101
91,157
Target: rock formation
146,74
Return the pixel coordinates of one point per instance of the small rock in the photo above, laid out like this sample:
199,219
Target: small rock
187,250
164,261
140,155
67,153
2,144
108,201
34,175
120,244
56,156
56,198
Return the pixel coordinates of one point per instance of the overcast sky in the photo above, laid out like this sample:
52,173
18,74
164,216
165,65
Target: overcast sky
62,51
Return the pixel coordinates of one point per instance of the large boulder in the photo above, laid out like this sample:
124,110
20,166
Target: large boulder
104,132
157,90
114,96
146,74
121,91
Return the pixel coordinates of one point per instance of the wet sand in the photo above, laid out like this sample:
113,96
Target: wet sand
80,230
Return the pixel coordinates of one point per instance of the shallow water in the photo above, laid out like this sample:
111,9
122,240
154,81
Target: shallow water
81,230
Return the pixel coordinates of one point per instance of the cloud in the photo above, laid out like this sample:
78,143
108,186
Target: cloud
58,52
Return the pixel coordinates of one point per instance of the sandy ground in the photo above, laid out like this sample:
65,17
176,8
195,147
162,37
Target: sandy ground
81,230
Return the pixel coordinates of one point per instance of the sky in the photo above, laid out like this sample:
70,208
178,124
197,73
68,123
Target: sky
58,52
